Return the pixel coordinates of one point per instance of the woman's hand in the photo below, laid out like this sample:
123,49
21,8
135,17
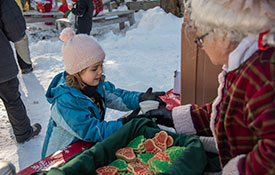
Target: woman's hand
162,116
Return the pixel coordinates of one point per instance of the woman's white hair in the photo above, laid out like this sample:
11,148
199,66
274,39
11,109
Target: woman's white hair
209,16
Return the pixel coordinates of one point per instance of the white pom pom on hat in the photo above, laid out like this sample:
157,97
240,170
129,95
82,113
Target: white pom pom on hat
66,34
79,51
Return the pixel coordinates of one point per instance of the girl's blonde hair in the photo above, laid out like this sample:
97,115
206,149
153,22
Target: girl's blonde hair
75,81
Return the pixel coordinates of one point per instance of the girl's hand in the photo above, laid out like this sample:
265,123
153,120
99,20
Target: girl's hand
131,116
149,95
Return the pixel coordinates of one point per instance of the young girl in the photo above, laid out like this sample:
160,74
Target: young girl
79,96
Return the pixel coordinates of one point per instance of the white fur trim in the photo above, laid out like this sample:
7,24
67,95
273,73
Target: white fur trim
209,144
182,120
231,168
221,79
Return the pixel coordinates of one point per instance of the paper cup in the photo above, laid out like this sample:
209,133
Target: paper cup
148,105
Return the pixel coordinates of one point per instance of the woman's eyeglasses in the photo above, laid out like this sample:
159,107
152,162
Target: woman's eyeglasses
199,40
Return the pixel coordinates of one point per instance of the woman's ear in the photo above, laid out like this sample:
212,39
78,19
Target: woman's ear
226,42
221,41
229,45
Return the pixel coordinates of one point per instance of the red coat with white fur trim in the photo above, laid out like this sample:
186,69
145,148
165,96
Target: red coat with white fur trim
241,118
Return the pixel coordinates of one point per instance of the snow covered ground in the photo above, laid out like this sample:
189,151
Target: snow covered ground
144,55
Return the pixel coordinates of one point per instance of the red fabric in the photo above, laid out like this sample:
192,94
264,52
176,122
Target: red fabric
244,123
205,110
63,8
59,157
44,6
41,7
260,41
98,5
171,99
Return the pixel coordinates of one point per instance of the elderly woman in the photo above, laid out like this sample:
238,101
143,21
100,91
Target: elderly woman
238,34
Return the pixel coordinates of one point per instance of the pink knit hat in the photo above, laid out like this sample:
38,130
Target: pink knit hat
79,51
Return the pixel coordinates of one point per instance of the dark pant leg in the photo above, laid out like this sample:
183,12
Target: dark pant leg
16,109
22,64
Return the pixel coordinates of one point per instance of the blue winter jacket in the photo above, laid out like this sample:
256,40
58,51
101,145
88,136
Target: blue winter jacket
74,116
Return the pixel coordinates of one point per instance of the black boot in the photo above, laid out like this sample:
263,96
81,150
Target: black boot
36,130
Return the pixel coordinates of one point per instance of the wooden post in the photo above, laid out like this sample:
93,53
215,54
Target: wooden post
173,6
131,18
121,25
199,80
188,68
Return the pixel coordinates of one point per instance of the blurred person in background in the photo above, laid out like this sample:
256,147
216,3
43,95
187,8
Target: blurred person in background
83,11
12,28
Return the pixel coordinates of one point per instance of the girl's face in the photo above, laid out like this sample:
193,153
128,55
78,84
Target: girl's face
92,75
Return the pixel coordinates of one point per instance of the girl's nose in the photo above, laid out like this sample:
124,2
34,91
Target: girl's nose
100,71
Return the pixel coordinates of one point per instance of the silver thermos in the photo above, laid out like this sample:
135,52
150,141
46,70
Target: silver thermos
7,168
